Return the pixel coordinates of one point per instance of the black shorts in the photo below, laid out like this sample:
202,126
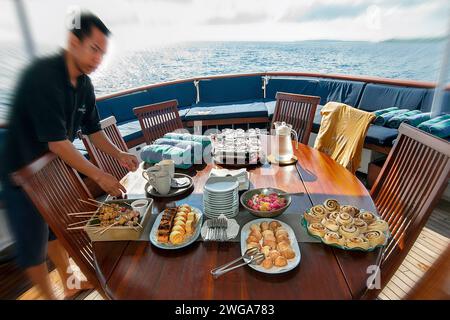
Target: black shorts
30,231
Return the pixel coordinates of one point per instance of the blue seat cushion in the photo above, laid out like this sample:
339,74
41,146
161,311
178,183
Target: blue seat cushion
347,92
379,96
212,111
223,90
381,136
317,119
428,100
130,130
298,86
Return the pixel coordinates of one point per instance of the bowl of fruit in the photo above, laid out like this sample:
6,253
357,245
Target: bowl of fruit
266,202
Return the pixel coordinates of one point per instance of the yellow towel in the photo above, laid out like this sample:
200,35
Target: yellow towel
342,132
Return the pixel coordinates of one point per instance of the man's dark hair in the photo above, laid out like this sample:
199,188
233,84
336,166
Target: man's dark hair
87,21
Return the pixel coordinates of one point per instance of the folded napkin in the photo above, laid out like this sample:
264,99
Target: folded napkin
154,153
204,140
441,129
425,126
382,119
382,111
196,147
397,120
417,119
241,175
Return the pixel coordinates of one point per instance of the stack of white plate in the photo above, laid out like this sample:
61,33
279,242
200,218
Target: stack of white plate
221,196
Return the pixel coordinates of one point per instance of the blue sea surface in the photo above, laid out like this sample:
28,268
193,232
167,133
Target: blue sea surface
397,59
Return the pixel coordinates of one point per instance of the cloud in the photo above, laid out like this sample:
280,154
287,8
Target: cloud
239,18
326,12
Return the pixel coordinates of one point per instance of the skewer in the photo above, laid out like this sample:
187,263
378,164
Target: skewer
83,227
80,222
83,216
92,204
112,225
101,203
140,225
77,213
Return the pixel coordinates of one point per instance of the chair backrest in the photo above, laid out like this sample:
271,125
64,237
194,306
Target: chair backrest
158,119
410,184
55,190
99,158
297,110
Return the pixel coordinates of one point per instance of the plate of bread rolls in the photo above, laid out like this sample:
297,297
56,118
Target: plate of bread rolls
176,227
276,240
345,226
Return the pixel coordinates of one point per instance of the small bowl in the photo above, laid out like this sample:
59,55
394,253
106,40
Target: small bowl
140,206
265,214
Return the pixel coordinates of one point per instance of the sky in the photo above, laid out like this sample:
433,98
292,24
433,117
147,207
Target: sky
140,24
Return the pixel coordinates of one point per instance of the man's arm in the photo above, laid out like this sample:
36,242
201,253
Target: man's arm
67,152
101,141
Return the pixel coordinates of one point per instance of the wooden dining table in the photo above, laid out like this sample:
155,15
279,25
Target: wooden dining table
139,270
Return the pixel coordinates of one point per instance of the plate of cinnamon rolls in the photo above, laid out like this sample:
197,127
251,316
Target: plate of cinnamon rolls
276,240
346,226
176,227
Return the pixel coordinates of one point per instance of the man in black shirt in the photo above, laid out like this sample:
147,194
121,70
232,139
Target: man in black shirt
54,99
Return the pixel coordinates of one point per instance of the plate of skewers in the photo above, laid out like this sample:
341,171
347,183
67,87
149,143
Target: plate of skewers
176,227
112,220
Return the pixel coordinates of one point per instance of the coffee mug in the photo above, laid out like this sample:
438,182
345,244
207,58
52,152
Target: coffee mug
167,165
160,180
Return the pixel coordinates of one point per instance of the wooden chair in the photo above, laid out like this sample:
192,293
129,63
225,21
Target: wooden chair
55,190
297,110
158,119
405,193
99,158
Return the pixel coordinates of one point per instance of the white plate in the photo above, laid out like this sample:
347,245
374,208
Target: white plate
292,263
154,232
220,185
221,203
221,209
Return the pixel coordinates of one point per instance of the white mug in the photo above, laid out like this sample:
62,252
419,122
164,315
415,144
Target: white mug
140,206
159,180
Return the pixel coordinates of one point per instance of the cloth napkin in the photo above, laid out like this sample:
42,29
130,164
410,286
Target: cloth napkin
196,147
441,129
154,153
417,119
382,111
397,120
425,126
382,119
204,140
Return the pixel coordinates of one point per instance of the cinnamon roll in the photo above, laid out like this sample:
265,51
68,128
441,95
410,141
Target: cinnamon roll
334,238
331,205
375,237
349,231
360,224
315,214
332,215
344,219
379,225
330,224
351,210
358,242
317,229
367,216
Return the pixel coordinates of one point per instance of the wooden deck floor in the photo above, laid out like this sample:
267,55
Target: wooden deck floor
432,242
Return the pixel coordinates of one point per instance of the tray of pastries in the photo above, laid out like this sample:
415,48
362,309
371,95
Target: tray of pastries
346,226
276,240
176,227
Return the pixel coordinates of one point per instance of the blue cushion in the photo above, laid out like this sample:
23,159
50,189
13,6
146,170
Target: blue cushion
130,130
379,96
381,136
185,93
210,111
317,119
122,107
428,100
299,86
347,92
230,89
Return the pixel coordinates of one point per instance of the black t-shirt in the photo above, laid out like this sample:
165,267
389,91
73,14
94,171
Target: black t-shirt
46,107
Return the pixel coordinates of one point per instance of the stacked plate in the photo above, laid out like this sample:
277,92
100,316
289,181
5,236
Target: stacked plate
221,196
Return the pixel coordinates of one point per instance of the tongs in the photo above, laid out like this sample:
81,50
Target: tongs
251,256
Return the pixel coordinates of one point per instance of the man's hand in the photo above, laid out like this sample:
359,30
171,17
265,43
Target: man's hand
110,184
128,161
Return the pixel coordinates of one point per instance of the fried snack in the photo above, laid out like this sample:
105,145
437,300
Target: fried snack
274,225
271,243
317,229
379,225
283,246
256,234
252,238
268,232
273,254
264,226
283,238
281,231
288,253
331,205
254,245
255,227
280,261
265,250
267,263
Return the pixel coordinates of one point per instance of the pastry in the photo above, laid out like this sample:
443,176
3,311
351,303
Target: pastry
375,237
265,250
288,253
331,205
351,210
273,254
267,232
379,225
280,261
256,234
332,215
271,243
330,224
267,263
264,226
317,229
358,242
255,227
344,219
180,218
274,225
179,223
176,237
283,246
191,216
360,224
254,245
281,231
367,216
269,238
179,229
283,238
333,238
189,226
349,231
315,214
252,238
